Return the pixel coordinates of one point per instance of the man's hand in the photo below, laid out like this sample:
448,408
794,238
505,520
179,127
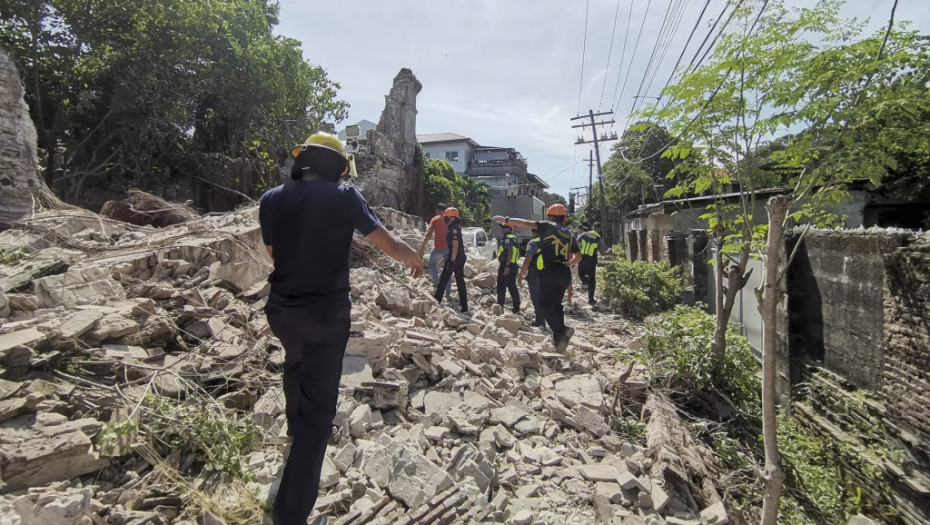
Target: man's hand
507,270
414,263
498,219
397,249
520,278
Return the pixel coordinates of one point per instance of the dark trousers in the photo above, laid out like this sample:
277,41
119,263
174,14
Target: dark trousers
314,345
532,282
458,268
508,282
587,272
553,281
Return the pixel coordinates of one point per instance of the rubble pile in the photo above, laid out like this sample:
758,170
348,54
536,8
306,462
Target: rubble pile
443,417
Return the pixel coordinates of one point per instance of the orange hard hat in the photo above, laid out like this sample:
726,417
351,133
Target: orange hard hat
557,210
451,212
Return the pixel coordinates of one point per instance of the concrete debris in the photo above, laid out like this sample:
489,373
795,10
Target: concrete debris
442,417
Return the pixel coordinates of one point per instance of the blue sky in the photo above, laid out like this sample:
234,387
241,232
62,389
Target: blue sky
508,73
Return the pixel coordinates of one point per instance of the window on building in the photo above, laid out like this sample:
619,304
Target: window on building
452,156
426,154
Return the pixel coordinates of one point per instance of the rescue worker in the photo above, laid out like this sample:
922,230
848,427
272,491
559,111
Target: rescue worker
307,227
437,257
532,265
559,250
589,242
455,263
508,253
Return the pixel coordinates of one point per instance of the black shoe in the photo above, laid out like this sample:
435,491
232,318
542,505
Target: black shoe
562,344
516,309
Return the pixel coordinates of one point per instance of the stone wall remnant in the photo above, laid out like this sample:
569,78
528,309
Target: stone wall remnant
22,189
390,170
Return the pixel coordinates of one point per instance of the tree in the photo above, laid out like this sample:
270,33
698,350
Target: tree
443,184
553,198
637,171
130,88
854,101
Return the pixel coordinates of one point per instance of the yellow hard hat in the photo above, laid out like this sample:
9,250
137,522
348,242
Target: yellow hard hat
320,139
329,142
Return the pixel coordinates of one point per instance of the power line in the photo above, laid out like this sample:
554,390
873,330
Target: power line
584,47
710,99
626,34
610,50
633,56
663,40
687,43
722,29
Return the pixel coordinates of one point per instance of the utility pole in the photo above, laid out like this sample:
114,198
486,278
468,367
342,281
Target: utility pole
584,200
597,152
590,160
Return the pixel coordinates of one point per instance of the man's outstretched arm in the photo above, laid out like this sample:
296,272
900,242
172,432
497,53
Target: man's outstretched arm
397,249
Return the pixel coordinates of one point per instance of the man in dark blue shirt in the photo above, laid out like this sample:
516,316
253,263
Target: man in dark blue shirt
455,263
590,244
508,253
532,265
559,250
307,227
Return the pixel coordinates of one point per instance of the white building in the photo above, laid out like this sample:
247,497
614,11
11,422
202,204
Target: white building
456,149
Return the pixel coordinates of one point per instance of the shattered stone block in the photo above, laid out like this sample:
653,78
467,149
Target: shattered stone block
716,514
76,287
33,454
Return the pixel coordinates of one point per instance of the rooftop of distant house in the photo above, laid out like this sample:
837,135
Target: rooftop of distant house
440,138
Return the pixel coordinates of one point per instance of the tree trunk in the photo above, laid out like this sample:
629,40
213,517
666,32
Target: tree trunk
772,475
736,278
720,335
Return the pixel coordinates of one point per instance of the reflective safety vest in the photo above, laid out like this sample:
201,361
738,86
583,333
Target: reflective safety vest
589,243
538,256
514,250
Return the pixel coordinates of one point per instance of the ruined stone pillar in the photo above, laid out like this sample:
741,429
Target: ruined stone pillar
22,189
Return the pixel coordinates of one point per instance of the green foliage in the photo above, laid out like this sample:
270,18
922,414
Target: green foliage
678,354
194,425
639,289
818,464
636,171
680,342
458,190
12,257
132,87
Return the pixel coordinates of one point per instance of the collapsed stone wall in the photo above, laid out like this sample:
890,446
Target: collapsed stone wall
858,348
22,189
906,371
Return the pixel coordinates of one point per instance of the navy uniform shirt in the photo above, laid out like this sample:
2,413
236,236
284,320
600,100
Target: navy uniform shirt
556,243
455,234
532,253
509,243
309,225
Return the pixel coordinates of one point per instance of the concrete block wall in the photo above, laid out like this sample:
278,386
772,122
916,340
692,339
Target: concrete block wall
835,289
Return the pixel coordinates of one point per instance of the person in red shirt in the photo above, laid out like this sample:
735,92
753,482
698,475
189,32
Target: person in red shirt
437,231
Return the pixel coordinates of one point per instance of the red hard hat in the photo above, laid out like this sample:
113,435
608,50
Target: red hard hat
451,212
557,210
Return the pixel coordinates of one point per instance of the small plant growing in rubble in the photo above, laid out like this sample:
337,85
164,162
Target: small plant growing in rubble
195,425
639,289
11,257
680,342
